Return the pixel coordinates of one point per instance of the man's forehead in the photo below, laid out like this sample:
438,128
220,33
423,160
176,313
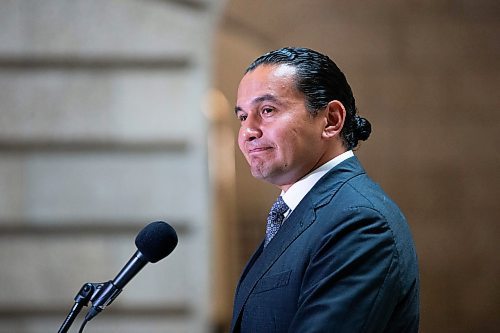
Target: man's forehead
268,82
271,71
267,77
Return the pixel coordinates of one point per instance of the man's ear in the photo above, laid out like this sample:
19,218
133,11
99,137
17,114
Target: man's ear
334,119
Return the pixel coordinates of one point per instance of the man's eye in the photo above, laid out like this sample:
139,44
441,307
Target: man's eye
267,110
242,117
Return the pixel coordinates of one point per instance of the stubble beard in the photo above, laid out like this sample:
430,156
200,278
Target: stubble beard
267,171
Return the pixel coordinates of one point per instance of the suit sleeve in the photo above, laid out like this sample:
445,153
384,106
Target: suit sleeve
350,283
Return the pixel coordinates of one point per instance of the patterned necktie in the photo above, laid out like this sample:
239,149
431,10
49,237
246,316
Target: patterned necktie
275,219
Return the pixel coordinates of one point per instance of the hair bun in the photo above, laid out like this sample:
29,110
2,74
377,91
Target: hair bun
363,128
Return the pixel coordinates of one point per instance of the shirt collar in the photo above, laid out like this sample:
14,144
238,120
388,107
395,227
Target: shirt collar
299,189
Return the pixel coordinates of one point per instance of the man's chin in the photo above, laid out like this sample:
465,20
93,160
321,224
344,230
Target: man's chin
259,172
267,176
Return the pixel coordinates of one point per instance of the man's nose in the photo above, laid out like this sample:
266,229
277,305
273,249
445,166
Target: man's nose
251,129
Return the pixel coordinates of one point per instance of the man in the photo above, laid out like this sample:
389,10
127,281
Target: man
338,254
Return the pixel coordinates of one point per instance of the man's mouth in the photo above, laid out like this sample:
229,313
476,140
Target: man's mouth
256,150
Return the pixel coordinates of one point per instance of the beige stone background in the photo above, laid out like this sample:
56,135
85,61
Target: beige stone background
427,75
114,113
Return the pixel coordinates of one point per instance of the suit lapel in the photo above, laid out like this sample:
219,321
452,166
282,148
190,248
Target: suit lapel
263,259
301,218
250,263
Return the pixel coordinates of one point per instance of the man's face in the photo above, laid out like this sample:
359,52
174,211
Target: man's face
281,141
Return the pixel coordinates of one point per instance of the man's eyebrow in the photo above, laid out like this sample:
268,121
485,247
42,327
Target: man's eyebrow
260,99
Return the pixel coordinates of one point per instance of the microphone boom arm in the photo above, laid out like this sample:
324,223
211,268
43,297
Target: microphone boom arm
102,294
82,298
154,242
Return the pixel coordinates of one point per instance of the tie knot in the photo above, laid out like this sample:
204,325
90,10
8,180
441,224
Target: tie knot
275,218
279,207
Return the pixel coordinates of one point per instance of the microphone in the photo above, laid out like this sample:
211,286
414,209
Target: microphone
156,241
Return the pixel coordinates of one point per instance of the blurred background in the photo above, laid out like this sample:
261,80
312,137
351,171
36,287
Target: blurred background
116,113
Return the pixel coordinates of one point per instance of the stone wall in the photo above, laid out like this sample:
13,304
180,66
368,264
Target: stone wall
102,132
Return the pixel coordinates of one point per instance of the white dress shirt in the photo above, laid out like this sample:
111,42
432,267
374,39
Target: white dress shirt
298,190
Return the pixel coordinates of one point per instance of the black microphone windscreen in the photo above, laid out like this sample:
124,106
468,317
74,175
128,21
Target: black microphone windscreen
156,241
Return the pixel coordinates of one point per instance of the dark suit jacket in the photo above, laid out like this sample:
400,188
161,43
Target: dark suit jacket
343,261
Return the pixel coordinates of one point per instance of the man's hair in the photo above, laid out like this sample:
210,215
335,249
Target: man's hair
321,81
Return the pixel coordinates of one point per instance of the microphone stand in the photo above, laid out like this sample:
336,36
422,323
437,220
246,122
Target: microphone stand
82,298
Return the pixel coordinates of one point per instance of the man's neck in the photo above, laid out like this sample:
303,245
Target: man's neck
327,158
294,194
